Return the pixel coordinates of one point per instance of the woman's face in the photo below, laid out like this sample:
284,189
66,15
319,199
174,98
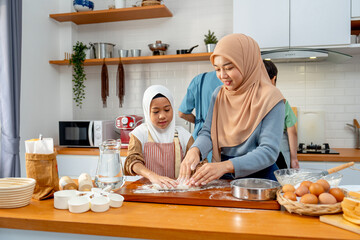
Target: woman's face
227,73
161,112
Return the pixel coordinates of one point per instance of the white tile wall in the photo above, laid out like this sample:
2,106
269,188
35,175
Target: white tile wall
333,88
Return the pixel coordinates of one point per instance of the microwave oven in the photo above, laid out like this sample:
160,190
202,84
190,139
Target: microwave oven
86,133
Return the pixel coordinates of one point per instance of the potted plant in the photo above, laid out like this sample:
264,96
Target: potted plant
77,61
210,41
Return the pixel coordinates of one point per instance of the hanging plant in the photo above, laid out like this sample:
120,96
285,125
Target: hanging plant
77,61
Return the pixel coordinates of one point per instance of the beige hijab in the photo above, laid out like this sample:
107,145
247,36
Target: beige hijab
237,113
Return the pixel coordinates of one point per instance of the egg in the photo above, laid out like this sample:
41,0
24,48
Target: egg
302,190
306,183
316,189
324,183
337,193
290,196
327,198
288,188
309,199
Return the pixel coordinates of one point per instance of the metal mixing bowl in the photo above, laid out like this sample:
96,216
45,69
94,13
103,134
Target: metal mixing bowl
254,189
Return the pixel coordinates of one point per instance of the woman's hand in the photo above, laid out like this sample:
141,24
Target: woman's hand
162,181
294,163
189,164
211,171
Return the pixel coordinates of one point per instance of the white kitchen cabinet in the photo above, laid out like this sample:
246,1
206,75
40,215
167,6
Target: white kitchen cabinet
350,177
319,23
293,23
355,8
265,21
74,165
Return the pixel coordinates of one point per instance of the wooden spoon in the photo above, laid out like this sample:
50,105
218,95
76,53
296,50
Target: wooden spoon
356,123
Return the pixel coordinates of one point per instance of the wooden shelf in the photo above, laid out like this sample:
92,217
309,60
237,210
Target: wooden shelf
113,15
355,27
145,59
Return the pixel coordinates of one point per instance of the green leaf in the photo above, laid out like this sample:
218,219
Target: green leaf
77,61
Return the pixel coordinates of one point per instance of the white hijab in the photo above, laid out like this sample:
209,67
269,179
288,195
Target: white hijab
159,135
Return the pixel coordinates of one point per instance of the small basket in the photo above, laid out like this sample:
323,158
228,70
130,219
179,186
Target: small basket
308,209
150,3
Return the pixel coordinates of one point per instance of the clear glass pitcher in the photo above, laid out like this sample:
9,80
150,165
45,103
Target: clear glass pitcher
109,170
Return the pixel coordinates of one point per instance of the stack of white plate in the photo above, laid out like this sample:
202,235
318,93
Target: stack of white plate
16,192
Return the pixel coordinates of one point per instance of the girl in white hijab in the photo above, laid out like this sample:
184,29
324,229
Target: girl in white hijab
157,147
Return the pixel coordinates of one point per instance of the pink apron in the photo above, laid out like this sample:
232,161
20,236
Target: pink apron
163,158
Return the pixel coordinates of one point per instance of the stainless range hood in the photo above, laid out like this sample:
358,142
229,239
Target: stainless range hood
304,55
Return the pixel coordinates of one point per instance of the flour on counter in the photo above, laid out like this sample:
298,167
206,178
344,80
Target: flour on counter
155,188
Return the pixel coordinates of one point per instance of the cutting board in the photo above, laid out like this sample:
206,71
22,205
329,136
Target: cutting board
219,197
338,221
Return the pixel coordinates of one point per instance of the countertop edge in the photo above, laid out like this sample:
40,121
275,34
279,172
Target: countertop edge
345,154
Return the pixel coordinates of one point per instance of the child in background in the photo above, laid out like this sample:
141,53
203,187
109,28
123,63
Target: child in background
157,147
288,146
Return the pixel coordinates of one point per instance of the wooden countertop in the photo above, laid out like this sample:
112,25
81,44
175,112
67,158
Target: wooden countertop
164,221
84,151
346,154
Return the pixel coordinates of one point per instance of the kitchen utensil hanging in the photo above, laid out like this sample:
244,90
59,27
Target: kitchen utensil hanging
104,83
120,82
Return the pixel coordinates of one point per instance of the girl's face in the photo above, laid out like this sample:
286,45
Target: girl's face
228,73
161,112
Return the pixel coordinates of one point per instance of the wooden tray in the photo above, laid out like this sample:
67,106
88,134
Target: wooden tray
217,197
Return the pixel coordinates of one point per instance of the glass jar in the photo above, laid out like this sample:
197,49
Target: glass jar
109,170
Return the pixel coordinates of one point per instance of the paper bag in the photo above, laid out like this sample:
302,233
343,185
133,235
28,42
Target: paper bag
41,165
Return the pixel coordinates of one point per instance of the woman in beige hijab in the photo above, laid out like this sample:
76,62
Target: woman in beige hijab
244,123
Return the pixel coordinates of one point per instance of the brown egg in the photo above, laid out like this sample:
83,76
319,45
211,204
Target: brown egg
306,183
288,188
324,183
316,189
301,191
327,198
337,193
309,199
290,196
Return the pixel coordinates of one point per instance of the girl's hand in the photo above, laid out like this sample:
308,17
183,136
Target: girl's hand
211,171
162,181
189,164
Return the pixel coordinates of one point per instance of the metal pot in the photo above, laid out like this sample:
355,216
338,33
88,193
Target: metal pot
101,50
158,48
254,189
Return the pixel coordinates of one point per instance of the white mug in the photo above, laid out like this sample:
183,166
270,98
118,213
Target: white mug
120,3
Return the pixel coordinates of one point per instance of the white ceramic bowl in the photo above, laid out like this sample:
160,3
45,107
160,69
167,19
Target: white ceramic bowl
79,204
116,200
100,204
62,197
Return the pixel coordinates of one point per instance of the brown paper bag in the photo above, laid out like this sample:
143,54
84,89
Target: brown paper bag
43,168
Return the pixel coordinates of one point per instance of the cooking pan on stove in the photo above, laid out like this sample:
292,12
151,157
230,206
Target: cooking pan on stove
254,189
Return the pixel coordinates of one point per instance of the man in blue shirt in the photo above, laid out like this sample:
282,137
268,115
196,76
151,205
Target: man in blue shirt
198,96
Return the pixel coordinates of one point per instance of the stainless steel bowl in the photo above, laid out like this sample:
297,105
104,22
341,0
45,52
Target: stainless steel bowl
254,189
